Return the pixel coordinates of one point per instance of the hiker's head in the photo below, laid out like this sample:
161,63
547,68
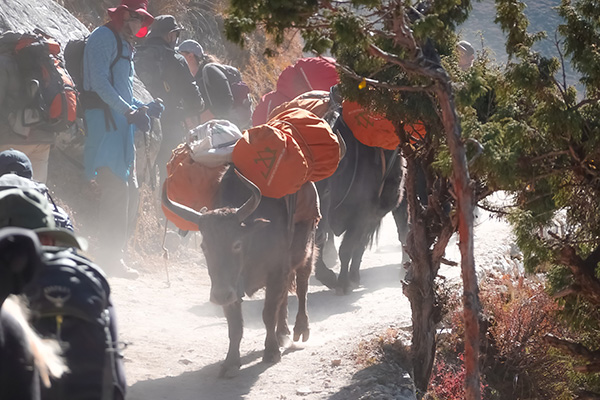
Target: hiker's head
192,51
131,17
15,162
466,55
29,209
166,26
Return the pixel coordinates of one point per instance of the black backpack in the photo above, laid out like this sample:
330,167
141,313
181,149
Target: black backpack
240,111
150,68
70,301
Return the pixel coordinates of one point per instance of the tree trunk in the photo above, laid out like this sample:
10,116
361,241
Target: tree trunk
464,198
418,286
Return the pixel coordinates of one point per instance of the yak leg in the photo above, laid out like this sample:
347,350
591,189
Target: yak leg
348,243
400,214
235,326
276,291
357,255
301,326
323,274
283,331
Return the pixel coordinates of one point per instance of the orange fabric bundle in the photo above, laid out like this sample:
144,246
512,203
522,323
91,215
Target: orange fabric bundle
319,144
316,101
369,128
416,131
191,184
272,160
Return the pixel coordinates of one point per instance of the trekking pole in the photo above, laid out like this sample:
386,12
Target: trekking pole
166,255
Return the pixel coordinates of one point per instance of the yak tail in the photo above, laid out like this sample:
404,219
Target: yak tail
45,352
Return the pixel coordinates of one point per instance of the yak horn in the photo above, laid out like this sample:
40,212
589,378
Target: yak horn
252,203
184,212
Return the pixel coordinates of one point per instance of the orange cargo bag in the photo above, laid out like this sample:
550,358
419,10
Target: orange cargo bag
191,184
369,128
316,139
316,101
272,160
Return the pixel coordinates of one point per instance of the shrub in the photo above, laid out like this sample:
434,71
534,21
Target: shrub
516,361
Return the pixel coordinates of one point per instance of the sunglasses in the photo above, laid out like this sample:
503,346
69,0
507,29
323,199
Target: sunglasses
135,16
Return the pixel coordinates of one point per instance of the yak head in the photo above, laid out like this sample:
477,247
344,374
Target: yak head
224,241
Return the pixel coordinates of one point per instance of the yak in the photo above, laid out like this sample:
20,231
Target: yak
252,242
366,186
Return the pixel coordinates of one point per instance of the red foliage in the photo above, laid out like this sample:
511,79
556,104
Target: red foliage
448,381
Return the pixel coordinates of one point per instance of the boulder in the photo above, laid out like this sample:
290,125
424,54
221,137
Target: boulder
65,172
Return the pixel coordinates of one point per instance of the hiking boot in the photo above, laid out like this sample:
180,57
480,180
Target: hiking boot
122,270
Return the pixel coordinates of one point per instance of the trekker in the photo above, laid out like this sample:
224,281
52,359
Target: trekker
86,314
466,55
16,171
224,92
33,142
111,120
166,75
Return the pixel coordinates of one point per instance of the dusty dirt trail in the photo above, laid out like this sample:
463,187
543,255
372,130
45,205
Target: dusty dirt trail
177,339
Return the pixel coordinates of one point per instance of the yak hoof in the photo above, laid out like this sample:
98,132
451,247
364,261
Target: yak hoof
326,277
343,290
304,333
354,284
284,341
272,357
229,370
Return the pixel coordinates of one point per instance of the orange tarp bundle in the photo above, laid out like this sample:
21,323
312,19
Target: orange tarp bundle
191,184
316,101
294,147
369,128
372,129
316,139
272,160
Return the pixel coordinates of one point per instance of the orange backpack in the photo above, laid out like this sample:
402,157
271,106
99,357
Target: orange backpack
191,184
316,139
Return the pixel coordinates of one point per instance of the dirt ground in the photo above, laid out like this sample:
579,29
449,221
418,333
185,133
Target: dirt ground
177,338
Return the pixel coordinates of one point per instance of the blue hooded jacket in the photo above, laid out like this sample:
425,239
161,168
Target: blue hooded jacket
107,147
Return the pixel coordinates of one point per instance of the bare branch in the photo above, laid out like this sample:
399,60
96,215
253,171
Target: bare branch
376,83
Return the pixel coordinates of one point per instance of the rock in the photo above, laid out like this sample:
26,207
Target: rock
303,391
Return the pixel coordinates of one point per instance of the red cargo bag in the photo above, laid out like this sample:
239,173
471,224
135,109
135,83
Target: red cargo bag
312,73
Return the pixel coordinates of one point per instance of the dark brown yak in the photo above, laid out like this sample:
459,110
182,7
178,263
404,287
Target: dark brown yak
251,246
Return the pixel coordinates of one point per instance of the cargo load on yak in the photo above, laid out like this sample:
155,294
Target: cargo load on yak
294,147
197,166
307,74
315,101
374,130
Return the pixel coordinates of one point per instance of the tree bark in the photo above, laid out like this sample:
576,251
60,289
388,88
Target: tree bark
418,286
587,284
464,199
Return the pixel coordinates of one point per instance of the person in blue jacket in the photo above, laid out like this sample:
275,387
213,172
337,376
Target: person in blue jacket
112,114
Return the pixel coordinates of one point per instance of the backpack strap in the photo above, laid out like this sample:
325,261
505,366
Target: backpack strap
119,49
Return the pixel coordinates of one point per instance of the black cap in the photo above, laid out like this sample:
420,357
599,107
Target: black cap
15,161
